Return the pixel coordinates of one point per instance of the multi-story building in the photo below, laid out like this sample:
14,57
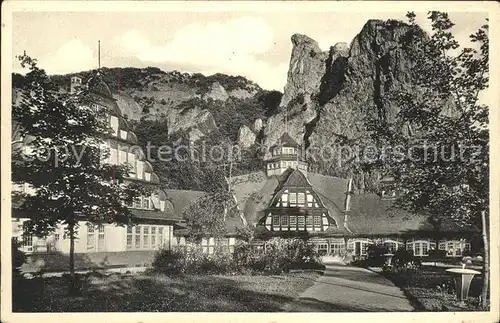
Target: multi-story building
154,215
289,200
286,199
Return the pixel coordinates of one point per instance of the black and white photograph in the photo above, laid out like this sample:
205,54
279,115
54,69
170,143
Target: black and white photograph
242,157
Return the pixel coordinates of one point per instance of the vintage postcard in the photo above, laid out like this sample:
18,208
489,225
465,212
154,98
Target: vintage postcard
250,161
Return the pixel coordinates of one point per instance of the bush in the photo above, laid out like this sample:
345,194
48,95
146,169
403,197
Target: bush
191,261
405,259
436,253
281,255
376,255
18,259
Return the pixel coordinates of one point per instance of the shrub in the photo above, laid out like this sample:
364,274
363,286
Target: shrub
376,255
18,259
191,261
405,259
436,253
281,255
168,261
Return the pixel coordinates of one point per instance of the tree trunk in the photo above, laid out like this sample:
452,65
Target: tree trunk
72,250
72,283
486,271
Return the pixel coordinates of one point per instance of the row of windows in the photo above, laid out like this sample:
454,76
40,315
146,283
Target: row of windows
285,164
144,237
300,222
225,244
120,156
285,151
333,248
293,199
142,202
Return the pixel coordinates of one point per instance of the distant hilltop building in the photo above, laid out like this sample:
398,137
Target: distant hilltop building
286,199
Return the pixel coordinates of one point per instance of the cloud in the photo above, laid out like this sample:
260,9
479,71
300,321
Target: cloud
132,42
225,47
70,57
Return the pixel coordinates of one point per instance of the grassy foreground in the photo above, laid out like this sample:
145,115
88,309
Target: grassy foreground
158,293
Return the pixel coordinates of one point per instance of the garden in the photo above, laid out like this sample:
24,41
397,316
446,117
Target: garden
428,287
182,280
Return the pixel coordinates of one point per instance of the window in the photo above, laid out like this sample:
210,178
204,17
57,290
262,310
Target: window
276,221
140,169
317,221
137,237
114,125
28,242
40,245
160,237
145,238
153,237
129,237
322,249
284,199
122,156
420,248
131,162
137,203
90,237
301,222
301,199
293,199
454,248
145,203
392,245
309,220
310,200
284,221
100,238
293,221
337,248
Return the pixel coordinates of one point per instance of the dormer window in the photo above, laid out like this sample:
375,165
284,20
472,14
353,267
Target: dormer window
388,188
388,194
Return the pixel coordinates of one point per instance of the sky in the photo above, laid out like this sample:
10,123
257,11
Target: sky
253,44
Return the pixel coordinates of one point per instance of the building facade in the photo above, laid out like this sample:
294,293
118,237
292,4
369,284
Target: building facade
289,200
154,216
286,199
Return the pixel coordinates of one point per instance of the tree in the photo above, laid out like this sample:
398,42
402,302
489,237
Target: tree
207,215
441,131
64,160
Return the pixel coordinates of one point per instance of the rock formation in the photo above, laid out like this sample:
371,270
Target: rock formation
246,137
329,95
217,92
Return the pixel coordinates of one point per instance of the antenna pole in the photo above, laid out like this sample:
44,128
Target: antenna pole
99,53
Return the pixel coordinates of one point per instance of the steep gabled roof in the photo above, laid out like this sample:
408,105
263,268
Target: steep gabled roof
296,179
285,141
369,214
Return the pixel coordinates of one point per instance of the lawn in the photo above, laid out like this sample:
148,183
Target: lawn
432,289
159,293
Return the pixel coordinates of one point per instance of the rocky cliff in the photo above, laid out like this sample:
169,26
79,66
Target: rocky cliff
330,95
